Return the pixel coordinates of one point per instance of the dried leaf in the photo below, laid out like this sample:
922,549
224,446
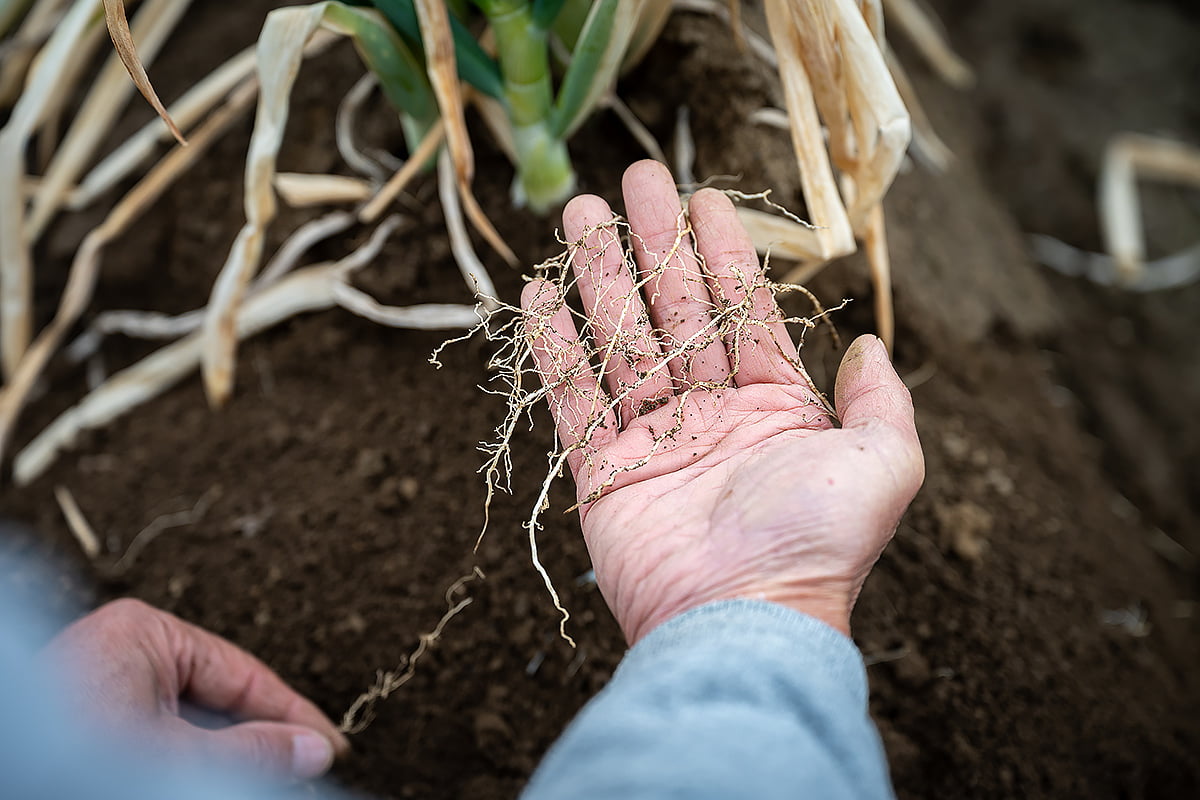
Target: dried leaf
81,280
308,289
118,29
52,75
104,102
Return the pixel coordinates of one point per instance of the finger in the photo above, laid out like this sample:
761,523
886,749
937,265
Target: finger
680,304
620,325
870,396
574,394
275,748
761,351
217,674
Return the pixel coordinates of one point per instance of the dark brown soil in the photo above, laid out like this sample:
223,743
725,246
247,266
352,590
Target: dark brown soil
1056,418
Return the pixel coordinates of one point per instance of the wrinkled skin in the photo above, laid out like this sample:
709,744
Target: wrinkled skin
130,666
758,493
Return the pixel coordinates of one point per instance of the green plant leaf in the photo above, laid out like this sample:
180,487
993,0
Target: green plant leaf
475,66
584,80
545,12
400,71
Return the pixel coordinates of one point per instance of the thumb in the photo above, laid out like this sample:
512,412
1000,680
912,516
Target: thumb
276,748
870,396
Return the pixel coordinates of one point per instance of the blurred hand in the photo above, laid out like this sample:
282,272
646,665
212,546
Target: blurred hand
757,493
131,664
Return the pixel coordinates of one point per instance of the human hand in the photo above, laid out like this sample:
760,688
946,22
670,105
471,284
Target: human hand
752,489
129,665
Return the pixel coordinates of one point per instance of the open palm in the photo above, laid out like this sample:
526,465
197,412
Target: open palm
723,475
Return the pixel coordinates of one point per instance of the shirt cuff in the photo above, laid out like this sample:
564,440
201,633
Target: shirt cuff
748,631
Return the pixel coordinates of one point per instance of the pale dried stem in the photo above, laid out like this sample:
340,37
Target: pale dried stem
685,148
438,43
823,52
927,146
825,207
1130,156
81,279
757,44
155,325
735,24
399,181
299,243
429,317
473,271
77,523
872,12
346,124
51,79
881,124
875,242
160,525
280,51
443,74
186,111
105,100
637,129
922,28
306,290
18,51
304,190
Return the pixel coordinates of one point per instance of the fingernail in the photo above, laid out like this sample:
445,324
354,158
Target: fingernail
859,347
312,755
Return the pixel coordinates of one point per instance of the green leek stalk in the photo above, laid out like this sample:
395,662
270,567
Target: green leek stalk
544,173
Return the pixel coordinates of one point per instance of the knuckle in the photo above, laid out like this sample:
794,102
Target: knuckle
124,610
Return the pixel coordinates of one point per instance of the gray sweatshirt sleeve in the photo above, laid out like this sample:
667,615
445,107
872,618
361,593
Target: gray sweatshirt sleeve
733,699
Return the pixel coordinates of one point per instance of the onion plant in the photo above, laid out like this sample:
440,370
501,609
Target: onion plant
535,69
554,61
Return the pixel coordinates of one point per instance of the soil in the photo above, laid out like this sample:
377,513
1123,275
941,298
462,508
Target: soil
1031,632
